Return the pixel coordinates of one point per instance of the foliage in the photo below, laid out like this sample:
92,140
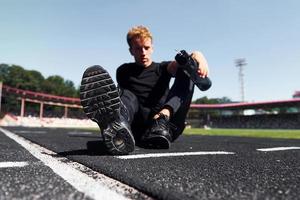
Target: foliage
4,69
198,113
261,133
16,76
205,100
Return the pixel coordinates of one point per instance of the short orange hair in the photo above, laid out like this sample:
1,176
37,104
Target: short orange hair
141,32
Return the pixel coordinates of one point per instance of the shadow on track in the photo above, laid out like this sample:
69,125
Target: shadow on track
94,148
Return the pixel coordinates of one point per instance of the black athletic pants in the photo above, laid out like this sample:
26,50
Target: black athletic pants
179,99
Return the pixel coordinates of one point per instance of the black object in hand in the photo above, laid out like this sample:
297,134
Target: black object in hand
190,67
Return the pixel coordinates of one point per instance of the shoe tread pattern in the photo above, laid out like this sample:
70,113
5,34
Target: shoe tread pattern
116,129
99,96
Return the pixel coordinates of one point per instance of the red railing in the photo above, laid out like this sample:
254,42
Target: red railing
249,105
39,95
71,100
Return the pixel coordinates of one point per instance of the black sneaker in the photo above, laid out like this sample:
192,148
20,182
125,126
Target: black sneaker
158,136
190,68
101,103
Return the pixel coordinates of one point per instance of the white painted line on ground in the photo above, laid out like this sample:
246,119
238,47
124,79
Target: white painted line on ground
41,132
12,164
85,180
79,133
156,155
278,149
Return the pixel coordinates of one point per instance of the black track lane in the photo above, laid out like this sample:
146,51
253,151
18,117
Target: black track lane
247,174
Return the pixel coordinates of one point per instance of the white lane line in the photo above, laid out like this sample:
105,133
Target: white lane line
156,155
85,180
12,164
42,132
79,133
278,149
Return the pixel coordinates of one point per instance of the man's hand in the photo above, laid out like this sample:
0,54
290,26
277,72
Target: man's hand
202,63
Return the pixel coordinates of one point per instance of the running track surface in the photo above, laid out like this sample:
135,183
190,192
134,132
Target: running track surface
196,167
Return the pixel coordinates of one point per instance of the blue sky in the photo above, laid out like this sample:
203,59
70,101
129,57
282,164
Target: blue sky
64,37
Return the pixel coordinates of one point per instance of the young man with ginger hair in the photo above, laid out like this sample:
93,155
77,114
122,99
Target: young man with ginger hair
142,109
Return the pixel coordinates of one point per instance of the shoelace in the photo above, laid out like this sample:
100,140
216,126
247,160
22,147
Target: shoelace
163,121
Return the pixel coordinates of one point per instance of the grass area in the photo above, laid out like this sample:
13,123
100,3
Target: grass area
263,133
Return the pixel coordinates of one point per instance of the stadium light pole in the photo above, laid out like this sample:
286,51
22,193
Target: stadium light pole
240,63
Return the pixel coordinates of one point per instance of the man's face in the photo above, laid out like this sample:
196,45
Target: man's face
141,50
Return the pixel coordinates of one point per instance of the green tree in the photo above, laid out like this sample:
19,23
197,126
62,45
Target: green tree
4,71
35,82
53,85
70,89
205,100
18,77
58,86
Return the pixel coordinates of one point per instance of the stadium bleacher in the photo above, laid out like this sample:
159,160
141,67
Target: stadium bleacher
72,115
279,121
29,121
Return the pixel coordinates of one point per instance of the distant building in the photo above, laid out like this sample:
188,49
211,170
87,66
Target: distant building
296,94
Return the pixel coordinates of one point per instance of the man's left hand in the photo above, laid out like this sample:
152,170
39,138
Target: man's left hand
202,63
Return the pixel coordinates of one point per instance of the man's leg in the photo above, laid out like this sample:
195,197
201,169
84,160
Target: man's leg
135,114
179,100
129,105
101,102
179,117
162,132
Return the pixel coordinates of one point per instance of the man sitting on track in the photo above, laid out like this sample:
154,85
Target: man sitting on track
142,109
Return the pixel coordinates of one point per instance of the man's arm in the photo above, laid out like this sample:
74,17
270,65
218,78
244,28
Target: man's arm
199,58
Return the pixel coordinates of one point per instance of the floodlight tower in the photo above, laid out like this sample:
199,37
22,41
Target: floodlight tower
240,63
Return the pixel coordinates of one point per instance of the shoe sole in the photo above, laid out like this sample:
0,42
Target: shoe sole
101,103
158,142
118,139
